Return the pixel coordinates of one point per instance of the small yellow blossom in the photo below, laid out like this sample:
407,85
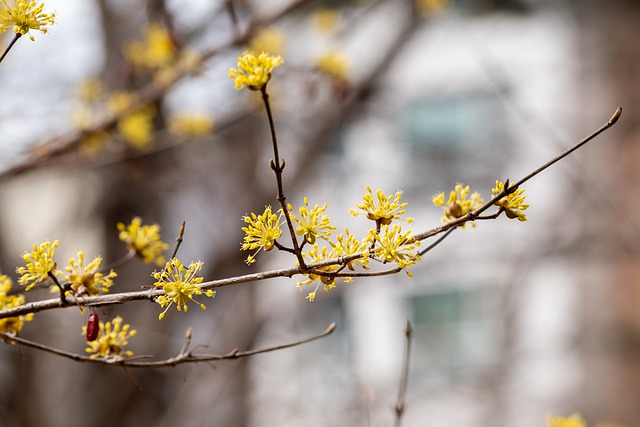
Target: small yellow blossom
458,205
144,240
179,285
313,256
334,65
382,209
392,245
348,245
312,223
261,233
513,203
112,338
574,420
268,39
156,50
11,325
325,20
87,280
39,264
137,128
190,125
254,71
23,16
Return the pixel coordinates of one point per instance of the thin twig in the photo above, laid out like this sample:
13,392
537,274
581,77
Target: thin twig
11,43
404,378
474,214
182,358
278,167
179,239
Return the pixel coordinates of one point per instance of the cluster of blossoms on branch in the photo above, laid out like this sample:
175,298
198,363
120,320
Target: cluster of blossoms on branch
385,241
81,279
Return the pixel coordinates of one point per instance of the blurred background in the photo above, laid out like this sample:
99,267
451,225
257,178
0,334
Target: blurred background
512,321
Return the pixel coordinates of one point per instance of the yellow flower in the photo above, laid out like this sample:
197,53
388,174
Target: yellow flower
23,16
179,285
334,65
314,256
574,420
87,280
156,50
137,127
347,245
325,20
254,71
190,125
39,264
392,245
11,325
513,203
112,338
144,240
268,39
383,209
261,233
458,205
312,223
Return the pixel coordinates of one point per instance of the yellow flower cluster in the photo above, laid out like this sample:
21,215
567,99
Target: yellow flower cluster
382,208
346,245
23,16
111,340
143,240
513,204
180,284
87,280
11,325
254,71
261,233
39,263
312,223
458,205
392,245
